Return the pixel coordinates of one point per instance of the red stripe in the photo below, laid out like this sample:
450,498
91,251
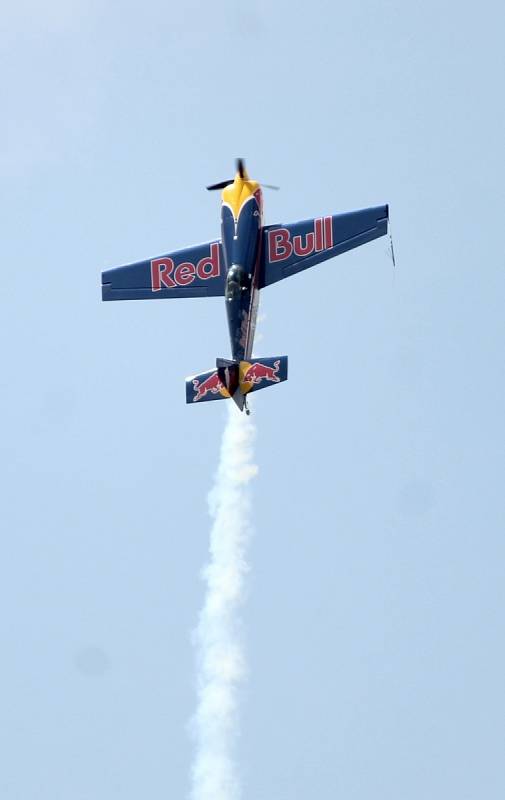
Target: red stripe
328,233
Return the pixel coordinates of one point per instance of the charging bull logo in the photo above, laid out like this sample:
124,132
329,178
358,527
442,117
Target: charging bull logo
281,246
253,374
211,384
165,275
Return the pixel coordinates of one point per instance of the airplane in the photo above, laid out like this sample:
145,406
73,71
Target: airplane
248,257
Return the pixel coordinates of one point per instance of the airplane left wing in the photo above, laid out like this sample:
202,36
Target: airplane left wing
288,249
197,271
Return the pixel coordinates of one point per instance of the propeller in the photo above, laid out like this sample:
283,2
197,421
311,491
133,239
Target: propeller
220,185
240,166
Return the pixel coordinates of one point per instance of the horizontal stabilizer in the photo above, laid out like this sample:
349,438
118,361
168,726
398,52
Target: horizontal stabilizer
236,379
206,386
262,372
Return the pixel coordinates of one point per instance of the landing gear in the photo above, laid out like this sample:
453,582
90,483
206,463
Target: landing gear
247,410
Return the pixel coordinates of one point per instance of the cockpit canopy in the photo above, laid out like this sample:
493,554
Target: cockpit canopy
237,282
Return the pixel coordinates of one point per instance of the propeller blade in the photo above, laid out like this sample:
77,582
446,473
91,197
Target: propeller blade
269,186
219,185
241,167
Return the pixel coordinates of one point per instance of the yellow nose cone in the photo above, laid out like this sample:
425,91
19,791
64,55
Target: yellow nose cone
238,192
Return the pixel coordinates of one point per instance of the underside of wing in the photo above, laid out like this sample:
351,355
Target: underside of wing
288,249
193,272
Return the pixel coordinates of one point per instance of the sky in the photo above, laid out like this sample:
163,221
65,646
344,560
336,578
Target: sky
373,624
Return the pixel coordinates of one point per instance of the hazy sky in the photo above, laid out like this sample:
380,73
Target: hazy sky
374,622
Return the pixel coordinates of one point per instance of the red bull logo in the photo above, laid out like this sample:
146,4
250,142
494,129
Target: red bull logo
165,275
281,246
257,372
211,385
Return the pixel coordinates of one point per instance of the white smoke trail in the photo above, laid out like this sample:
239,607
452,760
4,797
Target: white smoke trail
221,663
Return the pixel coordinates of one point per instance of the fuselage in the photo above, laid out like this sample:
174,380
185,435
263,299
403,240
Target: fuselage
241,225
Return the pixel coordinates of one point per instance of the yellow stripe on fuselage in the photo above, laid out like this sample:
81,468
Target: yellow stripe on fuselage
238,192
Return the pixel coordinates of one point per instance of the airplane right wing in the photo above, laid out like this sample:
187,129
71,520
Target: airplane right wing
288,249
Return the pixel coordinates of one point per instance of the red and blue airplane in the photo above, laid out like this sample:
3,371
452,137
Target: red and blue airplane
248,257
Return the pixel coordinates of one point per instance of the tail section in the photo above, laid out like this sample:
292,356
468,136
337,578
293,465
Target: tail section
229,375
236,379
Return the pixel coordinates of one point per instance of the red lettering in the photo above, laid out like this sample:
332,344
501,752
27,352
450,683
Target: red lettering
328,233
161,269
304,250
279,246
209,267
319,234
184,273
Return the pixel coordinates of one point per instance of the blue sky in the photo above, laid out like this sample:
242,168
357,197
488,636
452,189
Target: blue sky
373,624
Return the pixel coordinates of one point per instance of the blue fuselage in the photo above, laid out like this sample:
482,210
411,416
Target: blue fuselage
241,238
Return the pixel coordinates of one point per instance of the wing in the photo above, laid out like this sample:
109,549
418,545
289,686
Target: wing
288,249
194,272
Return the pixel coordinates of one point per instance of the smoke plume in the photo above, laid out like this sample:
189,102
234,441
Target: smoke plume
220,656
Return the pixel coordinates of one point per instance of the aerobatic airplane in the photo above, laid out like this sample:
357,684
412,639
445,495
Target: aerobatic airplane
248,257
